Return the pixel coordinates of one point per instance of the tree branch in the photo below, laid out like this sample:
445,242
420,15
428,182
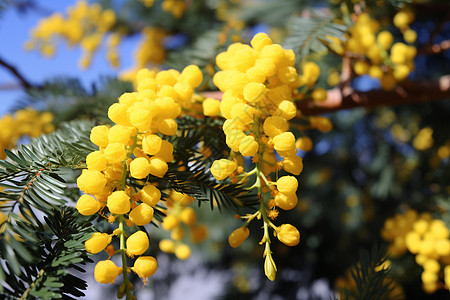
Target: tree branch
435,48
407,93
23,82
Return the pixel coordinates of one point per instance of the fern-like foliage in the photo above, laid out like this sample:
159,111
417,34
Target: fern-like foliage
307,35
195,179
36,261
33,186
371,281
273,13
68,99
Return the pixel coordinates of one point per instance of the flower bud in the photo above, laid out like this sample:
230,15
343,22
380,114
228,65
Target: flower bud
87,205
188,216
91,181
287,184
99,135
106,271
97,242
182,251
140,168
238,236
158,167
275,125
142,214
115,153
288,235
293,164
137,243
118,203
167,246
150,195
199,234
145,266
286,201
151,144
222,168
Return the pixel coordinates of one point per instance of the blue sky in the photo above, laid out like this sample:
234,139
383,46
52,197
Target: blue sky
14,31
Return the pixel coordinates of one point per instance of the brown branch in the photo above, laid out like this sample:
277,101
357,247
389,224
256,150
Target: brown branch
23,82
408,93
435,48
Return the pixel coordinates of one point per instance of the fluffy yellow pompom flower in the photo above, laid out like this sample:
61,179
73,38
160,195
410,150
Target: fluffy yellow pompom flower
97,242
319,94
118,114
254,92
166,151
222,168
118,203
141,117
182,251
96,161
170,222
158,167
181,199
87,205
293,164
119,134
287,184
188,216
199,234
151,144
322,124
99,135
167,126
288,235
91,181
140,168
311,72
167,246
304,143
211,107
275,125
142,214
137,243
150,195
145,266
238,236
106,271
260,40
242,112
115,153
385,39
286,109
192,75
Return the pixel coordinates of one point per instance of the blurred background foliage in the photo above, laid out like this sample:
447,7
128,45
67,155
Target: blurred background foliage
376,164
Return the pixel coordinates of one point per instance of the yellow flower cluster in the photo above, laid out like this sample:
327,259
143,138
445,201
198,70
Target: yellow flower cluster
24,122
376,53
258,83
179,213
175,7
423,139
133,148
428,239
85,25
151,48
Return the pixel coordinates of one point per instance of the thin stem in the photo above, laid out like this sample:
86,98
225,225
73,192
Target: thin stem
124,258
